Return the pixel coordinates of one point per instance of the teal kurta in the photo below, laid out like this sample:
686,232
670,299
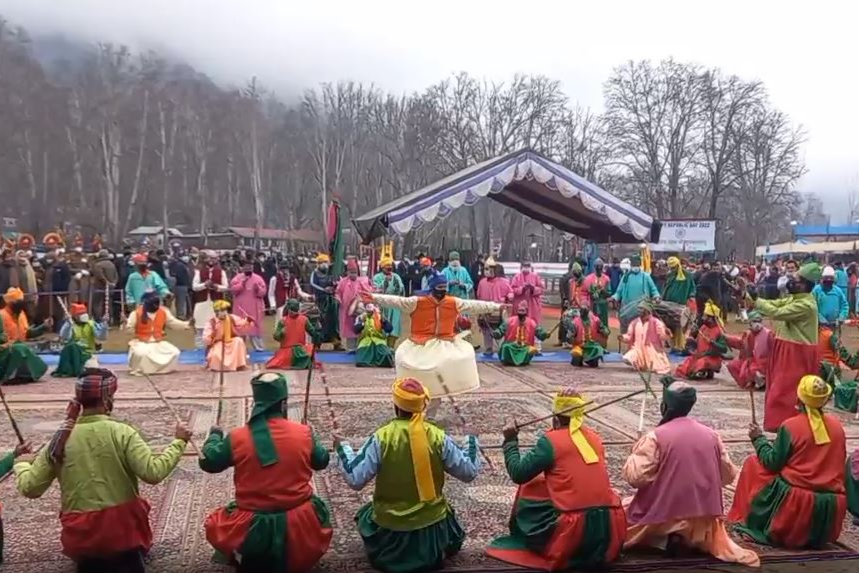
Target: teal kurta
633,288
394,287
465,286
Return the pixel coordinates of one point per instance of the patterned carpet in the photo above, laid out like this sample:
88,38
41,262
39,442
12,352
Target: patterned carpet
361,399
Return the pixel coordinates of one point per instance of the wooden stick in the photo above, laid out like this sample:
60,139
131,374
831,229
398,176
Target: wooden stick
65,308
11,417
221,376
462,418
334,425
752,402
307,385
172,411
571,408
641,415
107,304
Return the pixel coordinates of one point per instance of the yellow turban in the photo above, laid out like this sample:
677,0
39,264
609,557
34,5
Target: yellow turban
411,396
221,305
674,264
814,393
386,262
228,323
322,258
712,309
13,294
569,402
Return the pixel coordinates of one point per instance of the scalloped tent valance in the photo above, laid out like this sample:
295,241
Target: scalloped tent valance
527,182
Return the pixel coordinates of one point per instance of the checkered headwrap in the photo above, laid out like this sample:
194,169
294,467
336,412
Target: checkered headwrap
95,385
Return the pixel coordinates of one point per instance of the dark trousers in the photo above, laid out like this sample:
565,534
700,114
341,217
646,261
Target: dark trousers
128,562
251,566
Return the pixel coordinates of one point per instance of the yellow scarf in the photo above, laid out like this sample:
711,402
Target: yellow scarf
577,417
418,441
674,264
228,329
712,309
814,393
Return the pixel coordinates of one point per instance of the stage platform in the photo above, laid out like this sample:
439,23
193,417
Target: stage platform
361,398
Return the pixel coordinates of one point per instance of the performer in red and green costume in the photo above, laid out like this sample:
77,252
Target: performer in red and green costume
794,352
520,334
98,462
276,522
566,514
409,527
792,493
711,346
291,331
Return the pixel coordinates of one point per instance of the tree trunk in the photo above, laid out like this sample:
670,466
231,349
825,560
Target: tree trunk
135,189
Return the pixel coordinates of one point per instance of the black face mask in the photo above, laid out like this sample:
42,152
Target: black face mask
18,306
248,273
439,294
584,313
151,306
522,316
598,270
210,264
794,287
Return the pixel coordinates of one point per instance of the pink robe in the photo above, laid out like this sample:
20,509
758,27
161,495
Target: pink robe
647,353
235,354
534,297
248,300
347,292
495,289
585,289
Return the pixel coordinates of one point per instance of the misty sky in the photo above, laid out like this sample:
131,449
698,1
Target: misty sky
807,55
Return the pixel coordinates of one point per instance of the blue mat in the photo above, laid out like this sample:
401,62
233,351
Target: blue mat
198,357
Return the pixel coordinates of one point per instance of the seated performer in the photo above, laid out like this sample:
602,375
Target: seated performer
18,362
710,347
520,334
409,527
98,462
564,492
647,336
434,349
373,330
584,333
222,336
791,494
291,332
679,470
276,522
81,335
148,351
749,370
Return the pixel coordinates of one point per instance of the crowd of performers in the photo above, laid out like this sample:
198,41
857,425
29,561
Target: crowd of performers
794,492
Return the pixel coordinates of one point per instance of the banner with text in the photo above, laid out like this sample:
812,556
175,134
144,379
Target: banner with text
686,236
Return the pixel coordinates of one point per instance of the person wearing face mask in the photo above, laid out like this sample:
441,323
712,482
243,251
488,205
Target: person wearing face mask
148,351
322,284
645,338
574,287
276,523
104,278
427,272
292,332
348,294
634,287
594,293
222,337
82,336
520,334
528,287
141,281
795,350
180,275
710,347
207,287
679,289
18,363
388,282
832,306
249,290
492,288
284,286
749,369
373,333
459,280
434,349
586,338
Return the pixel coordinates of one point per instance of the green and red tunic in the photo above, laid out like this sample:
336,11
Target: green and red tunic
275,520
566,513
792,494
294,352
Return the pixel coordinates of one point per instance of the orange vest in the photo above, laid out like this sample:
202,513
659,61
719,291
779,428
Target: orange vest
16,330
281,486
151,328
434,319
824,345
